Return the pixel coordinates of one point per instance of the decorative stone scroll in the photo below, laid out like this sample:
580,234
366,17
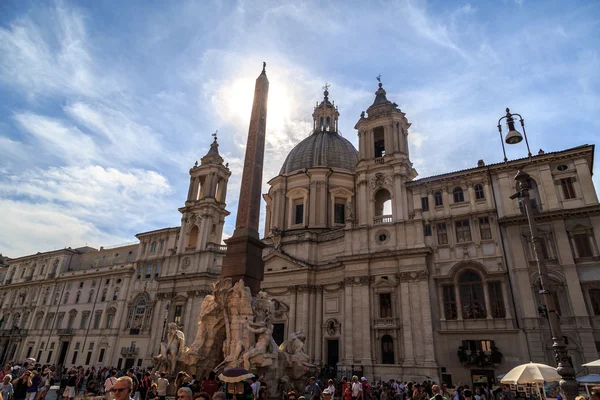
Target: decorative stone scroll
413,276
380,180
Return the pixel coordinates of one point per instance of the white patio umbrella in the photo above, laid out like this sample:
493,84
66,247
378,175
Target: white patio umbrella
531,373
592,364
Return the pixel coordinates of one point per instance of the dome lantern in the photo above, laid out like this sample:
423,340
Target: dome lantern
325,116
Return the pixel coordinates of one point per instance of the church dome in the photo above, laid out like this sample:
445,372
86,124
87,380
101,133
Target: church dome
324,147
321,149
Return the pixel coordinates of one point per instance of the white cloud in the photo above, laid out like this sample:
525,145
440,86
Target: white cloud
50,54
42,227
58,140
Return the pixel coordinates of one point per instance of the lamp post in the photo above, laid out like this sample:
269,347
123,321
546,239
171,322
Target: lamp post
568,384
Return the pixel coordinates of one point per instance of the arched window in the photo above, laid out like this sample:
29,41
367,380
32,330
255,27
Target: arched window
71,320
327,123
471,295
104,295
66,298
321,123
193,237
56,298
116,294
77,297
458,194
479,194
110,316
138,316
387,350
437,197
153,247
91,296
39,317
383,205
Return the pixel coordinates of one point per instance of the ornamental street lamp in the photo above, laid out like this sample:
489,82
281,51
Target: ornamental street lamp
568,384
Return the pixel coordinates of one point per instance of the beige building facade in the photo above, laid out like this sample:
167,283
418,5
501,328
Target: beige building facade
388,275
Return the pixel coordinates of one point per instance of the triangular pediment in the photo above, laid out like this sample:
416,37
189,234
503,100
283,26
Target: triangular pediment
384,283
277,256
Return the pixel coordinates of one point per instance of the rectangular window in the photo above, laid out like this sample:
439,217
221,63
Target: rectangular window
299,216
74,360
91,346
385,305
157,270
437,196
88,358
49,357
339,211
463,231
427,230
582,245
77,345
83,323
425,203
595,299
479,194
101,356
496,300
139,273
148,271
449,296
178,313
484,228
59,321
97,318
567,188
442,234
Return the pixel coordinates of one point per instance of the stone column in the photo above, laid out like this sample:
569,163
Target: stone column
292,314
312,205
304,317
310,331
506,300
347,323
366,325
459,310
222,191
189,306
427,323
191,189
319,327
486,296
409,353
207,192
471,193
585,182
398,210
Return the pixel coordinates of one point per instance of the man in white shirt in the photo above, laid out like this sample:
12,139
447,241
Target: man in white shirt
162,385
356,388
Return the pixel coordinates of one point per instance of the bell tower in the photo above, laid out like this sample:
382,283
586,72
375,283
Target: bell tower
203,215
384,165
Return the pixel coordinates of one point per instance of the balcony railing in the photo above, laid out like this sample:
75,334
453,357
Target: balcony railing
385,322
383,219
129,351
216,247
379,160
65,332
134,331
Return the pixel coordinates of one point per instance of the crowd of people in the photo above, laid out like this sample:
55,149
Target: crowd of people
34,381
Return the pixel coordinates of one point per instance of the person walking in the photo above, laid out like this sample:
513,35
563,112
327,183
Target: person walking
6,388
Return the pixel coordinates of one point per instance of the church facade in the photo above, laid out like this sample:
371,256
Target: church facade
388,275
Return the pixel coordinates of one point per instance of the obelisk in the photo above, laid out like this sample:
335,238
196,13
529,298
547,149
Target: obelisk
244,249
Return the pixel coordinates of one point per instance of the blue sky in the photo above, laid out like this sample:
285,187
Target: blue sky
105,105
